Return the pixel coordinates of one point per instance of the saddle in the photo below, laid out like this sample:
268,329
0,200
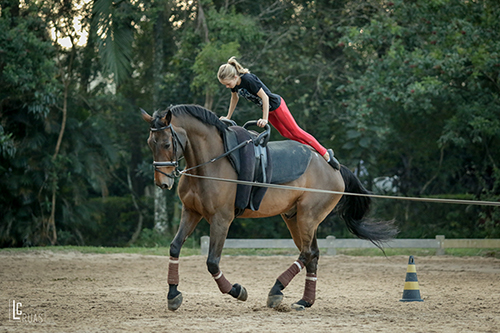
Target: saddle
259,161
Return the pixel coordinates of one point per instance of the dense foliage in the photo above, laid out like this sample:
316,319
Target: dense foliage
405,91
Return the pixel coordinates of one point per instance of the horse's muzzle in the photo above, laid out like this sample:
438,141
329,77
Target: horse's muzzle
163,179
164,182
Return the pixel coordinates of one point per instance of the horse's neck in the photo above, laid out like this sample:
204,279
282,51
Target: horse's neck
205,143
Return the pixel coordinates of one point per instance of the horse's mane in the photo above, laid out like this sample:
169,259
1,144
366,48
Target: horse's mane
204,115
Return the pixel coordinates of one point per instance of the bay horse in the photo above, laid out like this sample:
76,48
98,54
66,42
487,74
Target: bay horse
195,133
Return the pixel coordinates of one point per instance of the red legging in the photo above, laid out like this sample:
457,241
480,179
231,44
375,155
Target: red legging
283,121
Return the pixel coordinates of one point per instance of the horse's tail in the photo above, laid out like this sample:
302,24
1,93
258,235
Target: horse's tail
353,210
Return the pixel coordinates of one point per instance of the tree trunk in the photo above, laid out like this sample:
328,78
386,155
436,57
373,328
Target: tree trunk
209,100
51,225
138,229
161,215
202,23
203,28
51,230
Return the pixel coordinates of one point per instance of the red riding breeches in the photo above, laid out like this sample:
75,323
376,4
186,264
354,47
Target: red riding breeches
283,121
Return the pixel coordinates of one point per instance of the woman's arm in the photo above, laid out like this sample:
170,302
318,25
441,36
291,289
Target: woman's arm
265,108
232,105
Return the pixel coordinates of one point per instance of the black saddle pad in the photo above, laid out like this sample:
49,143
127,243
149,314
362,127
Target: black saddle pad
289,160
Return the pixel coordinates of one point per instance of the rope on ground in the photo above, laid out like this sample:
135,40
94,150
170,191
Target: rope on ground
294,188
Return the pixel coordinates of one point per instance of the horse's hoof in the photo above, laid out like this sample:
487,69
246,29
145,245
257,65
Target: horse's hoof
301,305
298,307
175,303
238,292
274,300
243,294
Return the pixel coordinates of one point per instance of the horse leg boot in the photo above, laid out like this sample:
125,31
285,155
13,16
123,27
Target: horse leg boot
174,296
186,227
309,295
275,295
236,290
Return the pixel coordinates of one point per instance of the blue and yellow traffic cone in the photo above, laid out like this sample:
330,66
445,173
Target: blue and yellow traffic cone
411,292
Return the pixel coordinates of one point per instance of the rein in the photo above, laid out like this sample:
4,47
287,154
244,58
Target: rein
242,144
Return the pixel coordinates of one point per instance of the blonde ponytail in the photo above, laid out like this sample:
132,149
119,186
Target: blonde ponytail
237,65
230,69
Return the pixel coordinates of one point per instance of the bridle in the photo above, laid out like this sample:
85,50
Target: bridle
174,163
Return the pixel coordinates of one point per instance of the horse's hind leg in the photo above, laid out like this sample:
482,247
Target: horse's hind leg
218,233
309,295
308,258
275,296
189,220
303,228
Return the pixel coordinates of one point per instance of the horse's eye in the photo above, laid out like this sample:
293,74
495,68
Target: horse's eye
167,145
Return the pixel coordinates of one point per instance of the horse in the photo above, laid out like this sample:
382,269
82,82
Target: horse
195,133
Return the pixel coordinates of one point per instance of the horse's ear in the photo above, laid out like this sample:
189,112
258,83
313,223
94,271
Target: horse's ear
147,118
168,117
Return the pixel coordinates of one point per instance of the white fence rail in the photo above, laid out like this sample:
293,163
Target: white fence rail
330,243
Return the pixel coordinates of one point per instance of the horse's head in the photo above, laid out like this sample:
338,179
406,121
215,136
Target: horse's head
166,145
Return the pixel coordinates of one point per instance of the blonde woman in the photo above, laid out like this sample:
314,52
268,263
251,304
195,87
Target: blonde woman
274,110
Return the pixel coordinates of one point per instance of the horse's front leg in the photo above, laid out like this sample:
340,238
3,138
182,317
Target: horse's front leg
218,234
189,220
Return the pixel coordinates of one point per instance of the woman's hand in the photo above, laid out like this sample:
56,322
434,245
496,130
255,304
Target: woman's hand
224,117
262,122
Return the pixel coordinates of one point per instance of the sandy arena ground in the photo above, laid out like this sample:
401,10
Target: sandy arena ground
74,292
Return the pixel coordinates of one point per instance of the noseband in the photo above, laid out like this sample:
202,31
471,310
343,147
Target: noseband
174,163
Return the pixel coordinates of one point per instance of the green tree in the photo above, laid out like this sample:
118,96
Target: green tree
29,92
423,86
55,150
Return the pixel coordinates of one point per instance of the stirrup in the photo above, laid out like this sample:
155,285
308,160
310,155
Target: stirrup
333,161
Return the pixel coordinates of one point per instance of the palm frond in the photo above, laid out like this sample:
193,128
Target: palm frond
114,38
